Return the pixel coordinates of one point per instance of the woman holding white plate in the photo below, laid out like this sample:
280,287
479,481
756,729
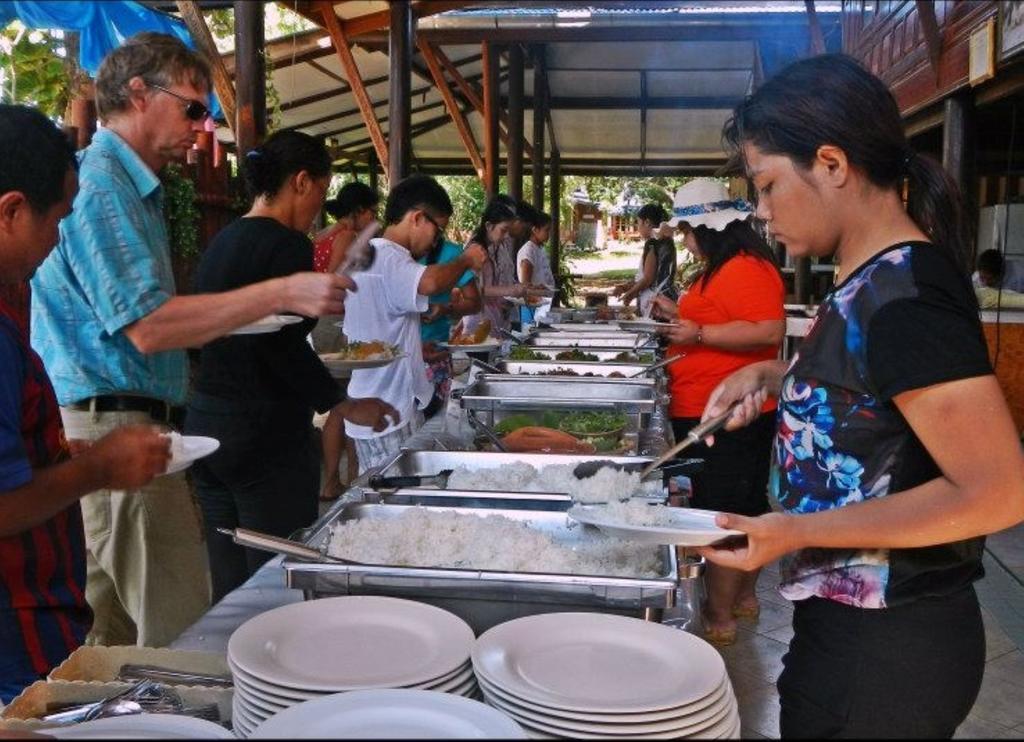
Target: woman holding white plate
895,453
256,393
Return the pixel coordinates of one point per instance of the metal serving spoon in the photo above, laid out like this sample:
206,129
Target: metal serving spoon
360,253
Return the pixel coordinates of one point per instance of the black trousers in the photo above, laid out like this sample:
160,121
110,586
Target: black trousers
912,671
735,476
265,476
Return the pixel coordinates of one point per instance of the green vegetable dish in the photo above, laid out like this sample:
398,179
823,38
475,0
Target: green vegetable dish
589,424
522,353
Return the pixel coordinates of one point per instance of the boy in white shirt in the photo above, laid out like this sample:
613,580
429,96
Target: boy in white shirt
389,298
534,267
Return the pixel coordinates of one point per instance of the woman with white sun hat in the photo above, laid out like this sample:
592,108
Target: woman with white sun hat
732,316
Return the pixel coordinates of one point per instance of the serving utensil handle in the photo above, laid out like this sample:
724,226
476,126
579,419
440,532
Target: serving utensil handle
696,435
275,544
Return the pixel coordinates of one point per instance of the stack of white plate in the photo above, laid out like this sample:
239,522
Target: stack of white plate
304,651
589,675
390,714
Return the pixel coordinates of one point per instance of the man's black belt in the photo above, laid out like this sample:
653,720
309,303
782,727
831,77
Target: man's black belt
156,408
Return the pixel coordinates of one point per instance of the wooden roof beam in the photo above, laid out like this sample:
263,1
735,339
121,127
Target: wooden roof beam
348,64
449,100
474,97
203,39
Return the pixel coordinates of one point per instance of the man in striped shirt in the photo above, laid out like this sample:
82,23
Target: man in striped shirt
43,613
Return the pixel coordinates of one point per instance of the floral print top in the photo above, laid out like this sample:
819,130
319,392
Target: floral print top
904,320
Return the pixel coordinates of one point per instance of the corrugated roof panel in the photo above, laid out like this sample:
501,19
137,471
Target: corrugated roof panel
597,83
632,55
685,133
704,83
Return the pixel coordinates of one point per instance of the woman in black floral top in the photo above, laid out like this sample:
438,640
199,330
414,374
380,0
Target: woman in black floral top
895,452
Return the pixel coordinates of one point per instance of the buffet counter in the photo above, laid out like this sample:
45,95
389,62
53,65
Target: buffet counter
1004,333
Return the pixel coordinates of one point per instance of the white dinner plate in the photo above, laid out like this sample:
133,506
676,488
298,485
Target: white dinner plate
681,727
187,448
597,663
142,726
475,348
337,365
253,714
690,526
390,714
257,702
282,696
720,729
270,323
350,643
716,697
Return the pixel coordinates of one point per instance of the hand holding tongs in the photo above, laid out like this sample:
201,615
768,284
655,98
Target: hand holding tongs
360,253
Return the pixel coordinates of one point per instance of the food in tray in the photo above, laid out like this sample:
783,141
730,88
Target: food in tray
478,337
607,483
373,350
628,357
640,513
420,537
575,355
523,353
537,439
589,423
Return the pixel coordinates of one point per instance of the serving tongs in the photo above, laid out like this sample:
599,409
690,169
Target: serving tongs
439,480
278,545
589,468
655,366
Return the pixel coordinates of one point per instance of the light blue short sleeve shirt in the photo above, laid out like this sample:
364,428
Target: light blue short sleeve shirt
111,267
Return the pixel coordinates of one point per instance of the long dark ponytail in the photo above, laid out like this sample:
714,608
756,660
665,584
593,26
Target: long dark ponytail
736,238
832,99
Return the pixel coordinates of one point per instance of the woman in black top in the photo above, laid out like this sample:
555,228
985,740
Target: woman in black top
894,451
657,262
256,393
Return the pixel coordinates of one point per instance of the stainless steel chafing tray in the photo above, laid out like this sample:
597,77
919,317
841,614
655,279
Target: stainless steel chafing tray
486,598
424,464
528,368
604,355
619,340
492,397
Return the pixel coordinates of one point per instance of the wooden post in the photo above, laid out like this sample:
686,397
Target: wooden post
556,203
400,46
802,280
222,85
817,38
250,77
515,122
491,103
930,31
954,137
539,101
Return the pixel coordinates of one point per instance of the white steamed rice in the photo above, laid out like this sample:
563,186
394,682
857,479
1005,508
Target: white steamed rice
639,513
420,537
607,484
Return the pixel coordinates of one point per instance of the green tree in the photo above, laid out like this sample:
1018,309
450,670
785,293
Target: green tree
35,69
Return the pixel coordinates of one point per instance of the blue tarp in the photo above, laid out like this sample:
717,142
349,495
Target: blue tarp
101,26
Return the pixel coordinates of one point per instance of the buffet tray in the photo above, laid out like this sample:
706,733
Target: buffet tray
619,340
427,463
604,355
534,368
480,597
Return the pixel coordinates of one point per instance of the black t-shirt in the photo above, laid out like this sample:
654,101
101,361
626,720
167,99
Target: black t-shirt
906,319
664,265
277,367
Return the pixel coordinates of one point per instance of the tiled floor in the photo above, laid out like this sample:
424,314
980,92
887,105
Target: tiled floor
756,659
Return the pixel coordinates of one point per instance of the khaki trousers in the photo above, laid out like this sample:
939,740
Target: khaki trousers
148,578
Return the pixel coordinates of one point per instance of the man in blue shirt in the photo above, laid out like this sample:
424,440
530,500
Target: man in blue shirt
111,331
43,614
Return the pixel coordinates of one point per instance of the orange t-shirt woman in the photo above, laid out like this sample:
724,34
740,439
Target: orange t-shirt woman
732,316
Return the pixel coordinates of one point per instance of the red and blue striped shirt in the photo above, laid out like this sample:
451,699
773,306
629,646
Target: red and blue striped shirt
43,613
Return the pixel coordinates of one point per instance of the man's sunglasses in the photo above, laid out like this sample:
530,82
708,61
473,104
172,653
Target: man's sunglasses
438,234
194,110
